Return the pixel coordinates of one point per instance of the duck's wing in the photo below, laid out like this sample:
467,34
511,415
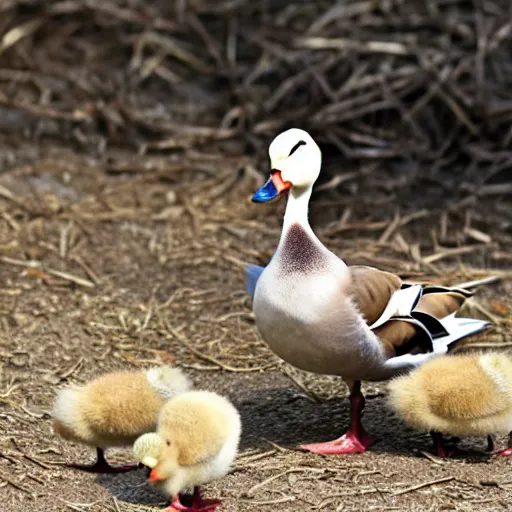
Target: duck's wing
252,274
440,301
410,318
372,291
404,335
437,309
386,303
434,318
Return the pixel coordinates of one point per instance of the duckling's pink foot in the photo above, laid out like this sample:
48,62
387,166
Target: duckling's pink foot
356,440
507,452
102,466
198,504
202,505
440,447
348,443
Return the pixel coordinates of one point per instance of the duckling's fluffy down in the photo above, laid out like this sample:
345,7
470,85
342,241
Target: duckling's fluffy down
466,395
200,423
201,430
116,408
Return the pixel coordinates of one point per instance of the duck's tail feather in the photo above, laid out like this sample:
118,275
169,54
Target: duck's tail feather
454,330
252,274
459,328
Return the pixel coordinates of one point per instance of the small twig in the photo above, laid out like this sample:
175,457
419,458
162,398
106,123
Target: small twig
479,282
284,499
424,484
72,370
448,253
227,316
430,457
70,277
311,394
57,273
323,43
393,225
16,485
40,463
64,237
265,482
94,278
473,303
278,447
258,456
116,505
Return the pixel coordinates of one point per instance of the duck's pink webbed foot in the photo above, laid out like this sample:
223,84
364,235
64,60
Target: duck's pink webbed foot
198,504
102,466
348,443
356,440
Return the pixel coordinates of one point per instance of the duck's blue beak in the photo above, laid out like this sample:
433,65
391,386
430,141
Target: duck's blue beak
272,188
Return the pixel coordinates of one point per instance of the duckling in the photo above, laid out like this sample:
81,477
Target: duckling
460,395
196,441
114,410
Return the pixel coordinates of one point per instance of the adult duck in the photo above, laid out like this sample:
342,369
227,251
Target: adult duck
323,316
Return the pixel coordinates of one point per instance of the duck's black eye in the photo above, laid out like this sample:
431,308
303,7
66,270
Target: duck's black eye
297,146
168,443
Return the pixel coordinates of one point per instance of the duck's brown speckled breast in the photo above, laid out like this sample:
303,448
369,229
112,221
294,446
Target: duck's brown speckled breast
300,254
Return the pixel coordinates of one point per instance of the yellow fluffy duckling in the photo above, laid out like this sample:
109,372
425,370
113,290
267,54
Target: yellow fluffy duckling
196,441
460,395
115,409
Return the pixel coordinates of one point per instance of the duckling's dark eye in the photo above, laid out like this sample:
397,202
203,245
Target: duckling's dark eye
168,443
297,146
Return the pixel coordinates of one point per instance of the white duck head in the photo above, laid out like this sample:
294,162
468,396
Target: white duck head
295,161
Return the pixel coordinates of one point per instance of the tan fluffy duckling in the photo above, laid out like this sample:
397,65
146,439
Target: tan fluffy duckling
115,409
460,395
196,441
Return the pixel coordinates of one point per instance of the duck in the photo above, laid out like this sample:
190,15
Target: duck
114,409
458,395
320,315
196,441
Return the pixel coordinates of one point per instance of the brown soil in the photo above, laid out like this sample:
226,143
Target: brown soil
152,247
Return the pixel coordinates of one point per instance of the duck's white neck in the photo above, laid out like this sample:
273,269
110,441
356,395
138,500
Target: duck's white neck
297,209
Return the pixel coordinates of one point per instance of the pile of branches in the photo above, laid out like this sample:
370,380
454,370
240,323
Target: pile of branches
428,80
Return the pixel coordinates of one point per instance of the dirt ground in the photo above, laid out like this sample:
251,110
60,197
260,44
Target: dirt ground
140,264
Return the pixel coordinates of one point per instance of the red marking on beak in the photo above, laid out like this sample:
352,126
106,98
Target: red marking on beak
278,181
154,476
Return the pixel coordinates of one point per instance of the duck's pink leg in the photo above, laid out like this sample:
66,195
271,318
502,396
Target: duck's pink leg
439,446
102,466
356,440
507,452
198,504
203,505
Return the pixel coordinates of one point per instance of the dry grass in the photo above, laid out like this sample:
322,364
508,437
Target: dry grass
107,270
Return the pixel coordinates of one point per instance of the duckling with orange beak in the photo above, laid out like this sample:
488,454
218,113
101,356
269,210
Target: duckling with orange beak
114,410
196,442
